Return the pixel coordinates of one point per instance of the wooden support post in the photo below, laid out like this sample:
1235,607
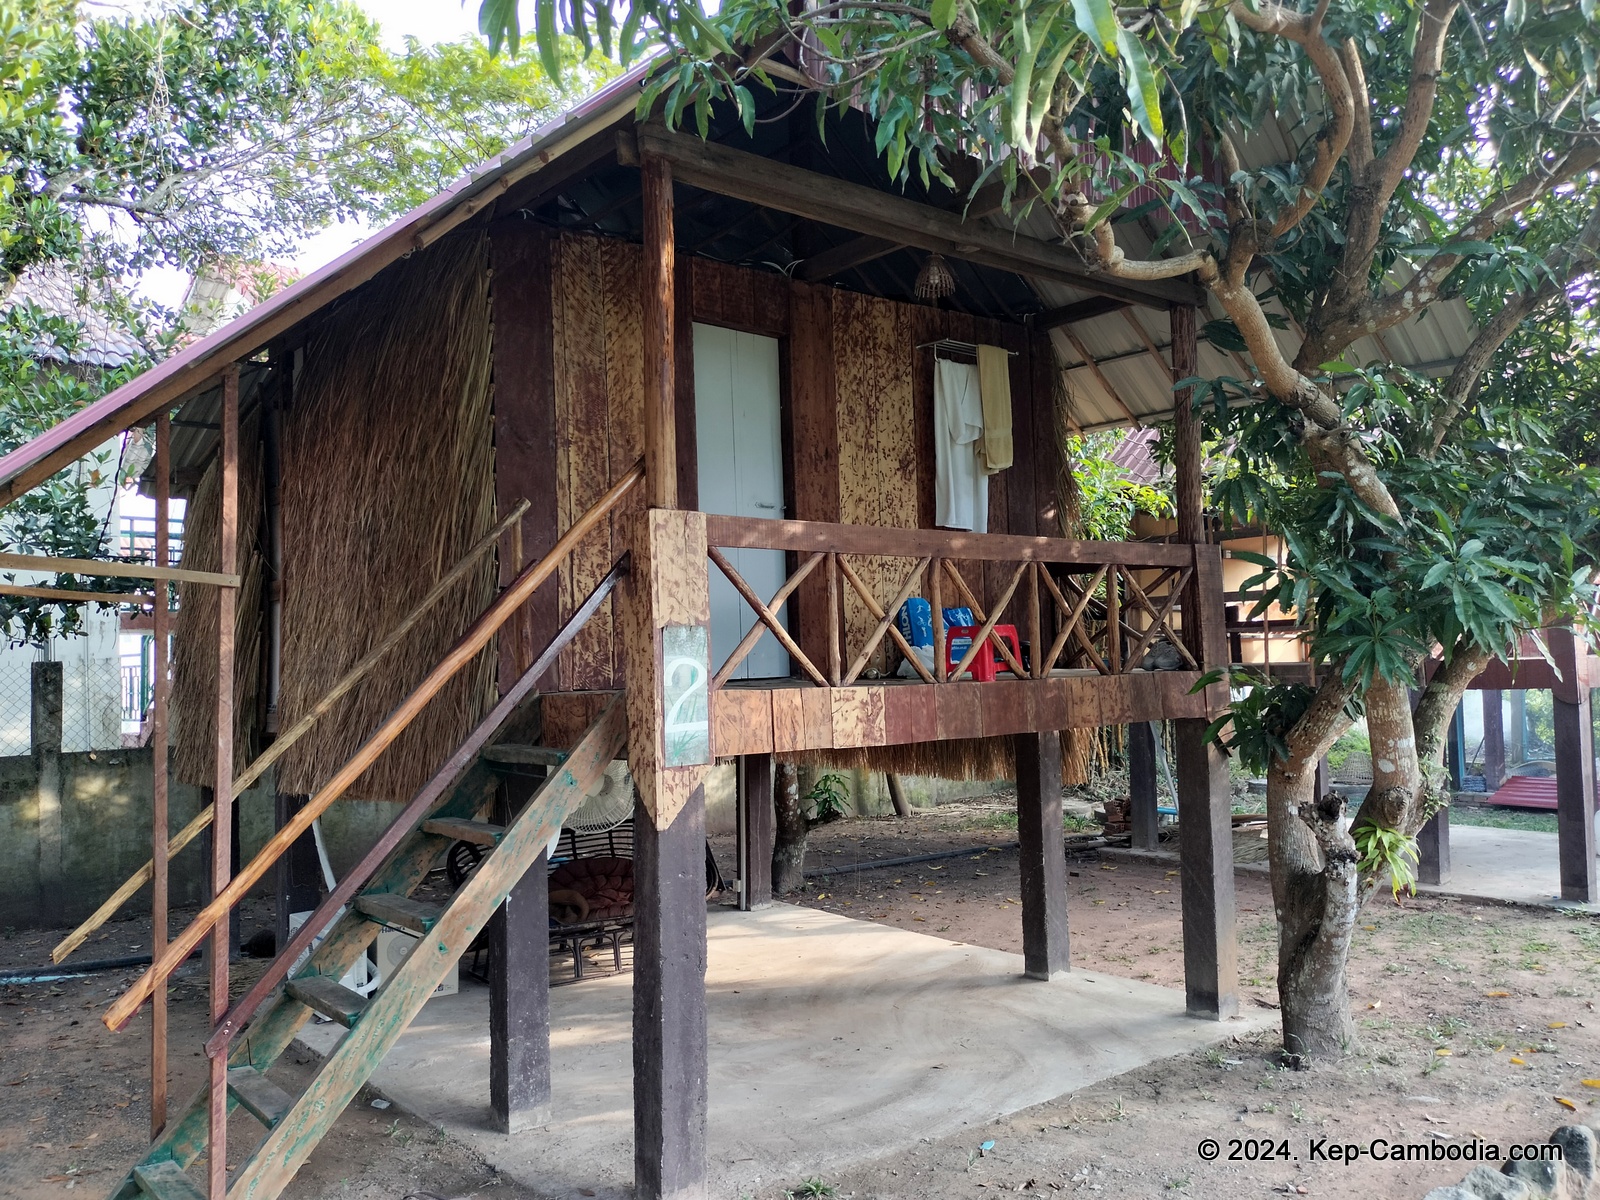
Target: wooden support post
1205,846
1455,749
1494,739
519,998
1142,799
1043,853
897,794
160,621
756,816
222,822
669,1004
1433,849
1575,780
297,875
1185,429
1517,729
660,420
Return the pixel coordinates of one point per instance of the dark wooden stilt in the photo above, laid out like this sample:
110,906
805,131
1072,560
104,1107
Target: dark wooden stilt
1494,740
1142,786
755,817
519,1005
1205,825
1043,853
669,1005
1455,749
1575,798
296,877
1433,849
1205,841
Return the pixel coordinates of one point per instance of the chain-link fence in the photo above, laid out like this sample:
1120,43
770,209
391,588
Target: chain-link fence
91,699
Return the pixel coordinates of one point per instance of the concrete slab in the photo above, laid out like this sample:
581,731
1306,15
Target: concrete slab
833,1042
1510,866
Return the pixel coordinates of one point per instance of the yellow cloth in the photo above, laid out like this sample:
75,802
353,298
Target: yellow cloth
994,386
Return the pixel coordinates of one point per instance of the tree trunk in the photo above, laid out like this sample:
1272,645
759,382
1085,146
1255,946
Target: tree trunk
1313,885
897,794
1316,920
790,832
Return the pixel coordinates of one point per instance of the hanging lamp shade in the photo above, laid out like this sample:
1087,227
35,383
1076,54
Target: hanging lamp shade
935,281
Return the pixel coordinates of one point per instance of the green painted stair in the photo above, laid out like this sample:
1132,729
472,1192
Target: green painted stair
295,1124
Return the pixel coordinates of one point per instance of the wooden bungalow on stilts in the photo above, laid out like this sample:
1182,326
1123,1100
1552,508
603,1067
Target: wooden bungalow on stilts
625,446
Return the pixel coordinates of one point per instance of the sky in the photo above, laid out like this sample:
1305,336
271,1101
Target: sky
426,20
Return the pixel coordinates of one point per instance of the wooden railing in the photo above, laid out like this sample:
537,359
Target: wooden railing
1075,605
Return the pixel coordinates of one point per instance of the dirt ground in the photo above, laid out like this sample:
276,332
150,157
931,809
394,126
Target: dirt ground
1475,1023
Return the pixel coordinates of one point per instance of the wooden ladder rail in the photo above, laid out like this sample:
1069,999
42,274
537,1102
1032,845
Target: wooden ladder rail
185,1138
294,733
464,651
456,765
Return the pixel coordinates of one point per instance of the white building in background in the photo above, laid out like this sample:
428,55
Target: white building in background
91,717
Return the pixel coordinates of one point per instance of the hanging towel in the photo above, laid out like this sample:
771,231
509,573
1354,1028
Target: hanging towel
961,489
994,385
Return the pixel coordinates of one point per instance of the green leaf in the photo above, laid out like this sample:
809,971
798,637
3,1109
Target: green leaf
1144,96
943,13
497,21
1026,49
1516,13
1099,20
547,36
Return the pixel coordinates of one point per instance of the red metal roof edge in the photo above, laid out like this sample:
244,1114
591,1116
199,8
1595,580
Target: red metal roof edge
232,341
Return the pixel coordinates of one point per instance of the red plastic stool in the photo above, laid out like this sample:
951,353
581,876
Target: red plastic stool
983,666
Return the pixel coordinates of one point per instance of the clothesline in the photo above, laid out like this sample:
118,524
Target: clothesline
953,344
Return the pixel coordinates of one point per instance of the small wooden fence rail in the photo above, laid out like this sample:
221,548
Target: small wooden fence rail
1083,605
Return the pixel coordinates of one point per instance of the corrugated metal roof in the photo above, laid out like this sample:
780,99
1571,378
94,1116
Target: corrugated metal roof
101,342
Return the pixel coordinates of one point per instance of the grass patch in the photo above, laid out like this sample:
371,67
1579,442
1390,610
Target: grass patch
1504,818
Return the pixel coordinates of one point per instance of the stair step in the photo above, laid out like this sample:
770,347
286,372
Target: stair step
458,830
263,1099
402,911
534,756
326,995
166,1181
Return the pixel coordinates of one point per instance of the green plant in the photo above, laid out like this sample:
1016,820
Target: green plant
1382,848
812,1189
829,799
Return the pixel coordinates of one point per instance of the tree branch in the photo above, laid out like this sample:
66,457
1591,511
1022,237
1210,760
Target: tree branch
1565,264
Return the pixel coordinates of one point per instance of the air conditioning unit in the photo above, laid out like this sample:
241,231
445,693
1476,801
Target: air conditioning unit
391,949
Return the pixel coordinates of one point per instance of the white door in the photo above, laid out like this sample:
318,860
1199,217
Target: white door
740,449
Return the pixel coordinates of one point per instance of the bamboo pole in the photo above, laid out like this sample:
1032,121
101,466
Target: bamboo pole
222,818
111,570
69,596
290,736
161,619
463,652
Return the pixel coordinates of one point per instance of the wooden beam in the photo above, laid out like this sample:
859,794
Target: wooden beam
755,830
1142,797
660,423
1149,343
867,210
670,1040
1043,855
1575,778
864,249
519,995
72,597
161,620
222,819
1100,376
113,570
1185,429
1078,310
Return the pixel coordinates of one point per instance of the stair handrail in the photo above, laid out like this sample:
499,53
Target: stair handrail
459,655
281,744
421,804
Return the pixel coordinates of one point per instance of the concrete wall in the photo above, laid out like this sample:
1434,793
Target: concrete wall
74,826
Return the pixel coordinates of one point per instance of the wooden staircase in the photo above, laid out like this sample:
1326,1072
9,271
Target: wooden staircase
293,1125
